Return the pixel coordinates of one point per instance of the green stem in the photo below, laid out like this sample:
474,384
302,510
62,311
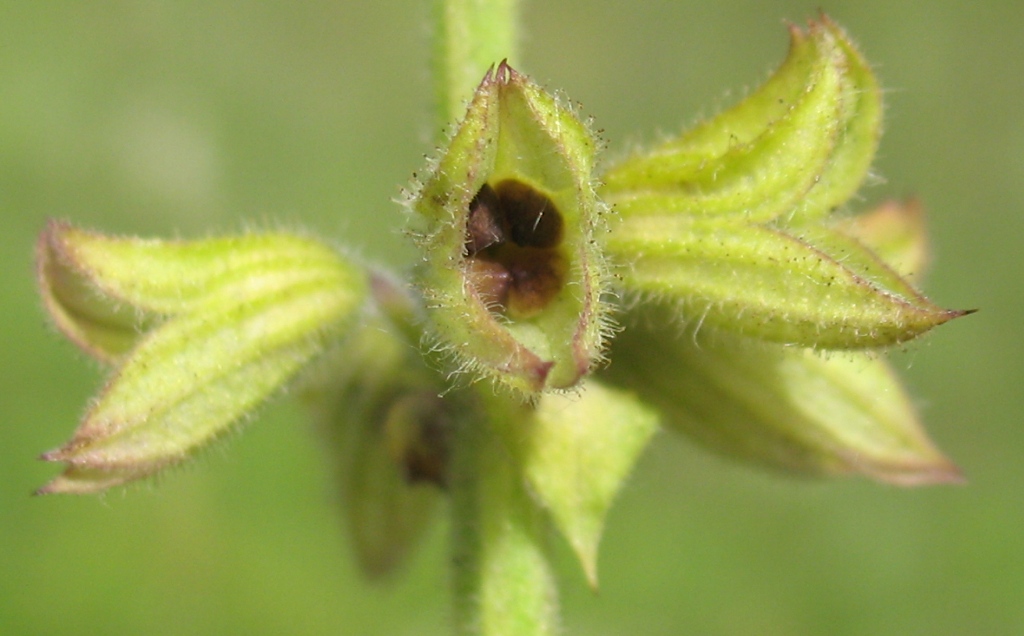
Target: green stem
470,37
503,582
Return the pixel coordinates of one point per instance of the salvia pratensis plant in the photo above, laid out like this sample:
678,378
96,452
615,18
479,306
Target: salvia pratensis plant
560,314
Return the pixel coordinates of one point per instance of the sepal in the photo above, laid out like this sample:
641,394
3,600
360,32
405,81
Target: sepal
786,408
793,150
212,352
809,286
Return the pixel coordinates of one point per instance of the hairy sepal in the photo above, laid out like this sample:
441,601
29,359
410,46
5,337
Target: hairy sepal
784,408
512,319
809,286
794,150
210,360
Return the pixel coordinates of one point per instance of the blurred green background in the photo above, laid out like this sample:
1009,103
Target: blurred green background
191,118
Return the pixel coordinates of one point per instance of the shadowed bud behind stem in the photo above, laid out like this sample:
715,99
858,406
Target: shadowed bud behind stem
228,322
387,432
506,221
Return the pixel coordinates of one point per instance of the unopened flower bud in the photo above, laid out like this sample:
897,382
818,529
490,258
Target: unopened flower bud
387,433
725,222
787,408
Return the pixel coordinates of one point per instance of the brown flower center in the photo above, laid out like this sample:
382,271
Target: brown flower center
512,240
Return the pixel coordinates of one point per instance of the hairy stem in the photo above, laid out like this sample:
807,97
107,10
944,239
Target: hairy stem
469,37
503,581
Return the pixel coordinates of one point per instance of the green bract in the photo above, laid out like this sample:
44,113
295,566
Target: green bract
506,220
574,453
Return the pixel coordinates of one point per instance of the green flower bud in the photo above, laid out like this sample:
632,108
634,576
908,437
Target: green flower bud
725,222
511,273
387,432
785,408
228,322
